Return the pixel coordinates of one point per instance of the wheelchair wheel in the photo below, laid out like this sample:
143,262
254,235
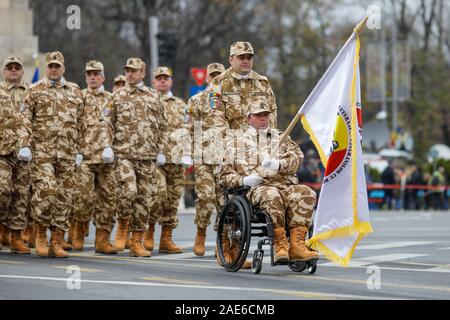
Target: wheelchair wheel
297,266
257,261
234,233
311,266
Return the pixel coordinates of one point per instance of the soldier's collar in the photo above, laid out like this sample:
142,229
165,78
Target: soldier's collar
97,91
11,86
52,83
250,75
140,86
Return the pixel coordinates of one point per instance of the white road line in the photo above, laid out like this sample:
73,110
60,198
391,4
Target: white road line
296,293
377,259
396,244
444,268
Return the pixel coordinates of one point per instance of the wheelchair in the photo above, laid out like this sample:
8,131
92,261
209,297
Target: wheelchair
238,222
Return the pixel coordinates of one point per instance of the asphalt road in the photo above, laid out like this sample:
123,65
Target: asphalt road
407,257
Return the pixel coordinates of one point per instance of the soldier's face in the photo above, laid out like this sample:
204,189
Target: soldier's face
259,120
54,71
210,77
134,76
242,64
13,72
94,79
162,83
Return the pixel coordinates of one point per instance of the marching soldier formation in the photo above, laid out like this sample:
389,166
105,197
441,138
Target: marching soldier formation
70,156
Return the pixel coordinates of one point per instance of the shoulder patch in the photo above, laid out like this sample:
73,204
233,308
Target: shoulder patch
214,100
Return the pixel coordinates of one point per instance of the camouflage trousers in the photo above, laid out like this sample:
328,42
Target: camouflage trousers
14,192
290,205
96,195
209,195
53,188
137,189
170,183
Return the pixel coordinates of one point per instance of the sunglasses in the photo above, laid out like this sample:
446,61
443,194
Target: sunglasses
11,68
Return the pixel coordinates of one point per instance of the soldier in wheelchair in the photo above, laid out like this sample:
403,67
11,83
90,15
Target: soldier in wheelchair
259,184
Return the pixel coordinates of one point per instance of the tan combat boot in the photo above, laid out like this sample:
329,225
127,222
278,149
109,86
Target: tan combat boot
148,238
55,250
166,244
32,237
5,238
281,245
121,234
128,243
199,244
41,241
65,245
102,244
78,236
17,245
225,250
298,250
137,248
234,251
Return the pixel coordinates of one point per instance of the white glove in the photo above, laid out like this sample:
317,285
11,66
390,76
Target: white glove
186,161
108,155
160,159
271,164
78,159
252,180
24,154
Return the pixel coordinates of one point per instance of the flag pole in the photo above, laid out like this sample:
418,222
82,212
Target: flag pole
357,30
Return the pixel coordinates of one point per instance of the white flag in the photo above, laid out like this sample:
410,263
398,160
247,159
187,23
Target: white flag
330,116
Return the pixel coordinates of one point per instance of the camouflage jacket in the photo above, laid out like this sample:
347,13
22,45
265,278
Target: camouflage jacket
96,126
207,131
179,120
14,132
55,112
232,94
138,121
246,153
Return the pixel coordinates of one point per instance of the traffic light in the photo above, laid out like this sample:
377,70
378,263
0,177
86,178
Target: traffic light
167,45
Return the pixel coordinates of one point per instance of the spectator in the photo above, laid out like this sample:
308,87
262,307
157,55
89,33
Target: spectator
388,177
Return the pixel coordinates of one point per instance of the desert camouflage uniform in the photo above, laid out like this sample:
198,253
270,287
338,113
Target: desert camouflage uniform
208,154
56,109
279,194
14,174
232,93
139,132
96,196
171,175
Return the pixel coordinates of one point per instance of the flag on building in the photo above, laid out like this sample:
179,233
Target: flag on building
36,71
332,117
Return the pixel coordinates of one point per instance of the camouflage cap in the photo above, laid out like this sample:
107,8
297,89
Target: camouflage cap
258,106
94,65
54,57
119,78
135,63
12,59
240,47
215,67
162,71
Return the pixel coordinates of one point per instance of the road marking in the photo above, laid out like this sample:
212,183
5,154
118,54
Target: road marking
11,262
448,248
444,268
294,293
383,283
377,259
88,270
176,281
397,244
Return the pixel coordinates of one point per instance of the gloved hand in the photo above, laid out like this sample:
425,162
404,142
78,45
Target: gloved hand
108,155
25,154
78,159
186,161
160,159
271,164
252,180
